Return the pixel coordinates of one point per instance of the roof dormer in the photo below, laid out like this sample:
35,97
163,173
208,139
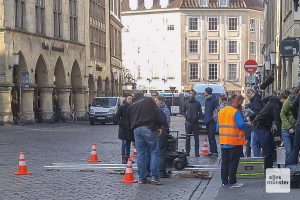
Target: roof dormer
133,4
223,3
164,3
203,3
148,4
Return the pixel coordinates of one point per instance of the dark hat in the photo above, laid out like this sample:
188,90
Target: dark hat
209,90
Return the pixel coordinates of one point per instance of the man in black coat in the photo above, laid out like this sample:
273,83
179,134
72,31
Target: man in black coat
125,133
266,125
145,122
192,112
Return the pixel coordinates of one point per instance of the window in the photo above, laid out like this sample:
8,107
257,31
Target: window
40,16
193,46
97,30
252,48
223,3
232,47
193,23
212,23
20,14
57,12
252,25
203,3
194,72
212,72
73,20
213,46
232,24
170,27
232,72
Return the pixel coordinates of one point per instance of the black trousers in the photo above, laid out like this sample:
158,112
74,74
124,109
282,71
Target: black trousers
229,165
211,132
192,128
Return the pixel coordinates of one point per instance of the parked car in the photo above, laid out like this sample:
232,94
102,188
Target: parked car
218,90
104,109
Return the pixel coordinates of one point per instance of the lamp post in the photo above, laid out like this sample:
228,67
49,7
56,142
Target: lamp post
172,104
273,64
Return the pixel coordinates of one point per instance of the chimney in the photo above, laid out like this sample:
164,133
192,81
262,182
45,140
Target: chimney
148,4
133,4
164,3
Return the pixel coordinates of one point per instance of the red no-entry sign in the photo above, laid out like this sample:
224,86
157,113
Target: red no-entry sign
250,66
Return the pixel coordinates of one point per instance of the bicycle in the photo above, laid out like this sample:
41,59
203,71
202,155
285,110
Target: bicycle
59,116
20,119
87,116
71,116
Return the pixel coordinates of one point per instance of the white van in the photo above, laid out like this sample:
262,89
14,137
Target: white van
104,109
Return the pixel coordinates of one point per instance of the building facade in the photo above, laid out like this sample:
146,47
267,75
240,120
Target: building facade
215,38
53,54
281,22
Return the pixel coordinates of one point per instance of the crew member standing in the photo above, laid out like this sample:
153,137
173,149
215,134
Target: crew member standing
231,126
211,108
192,112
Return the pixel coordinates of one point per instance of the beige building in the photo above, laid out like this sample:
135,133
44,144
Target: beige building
281,22
216,38
58,50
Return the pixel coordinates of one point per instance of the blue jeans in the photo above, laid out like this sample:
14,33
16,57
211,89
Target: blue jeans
266,142
288,141
147,146
125,148
296,147
256,148
211,132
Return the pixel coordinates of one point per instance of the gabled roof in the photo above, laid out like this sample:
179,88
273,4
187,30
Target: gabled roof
194,4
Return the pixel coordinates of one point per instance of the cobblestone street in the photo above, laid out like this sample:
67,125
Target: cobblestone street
45,144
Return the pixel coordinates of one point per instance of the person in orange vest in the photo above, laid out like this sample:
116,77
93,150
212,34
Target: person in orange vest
231,126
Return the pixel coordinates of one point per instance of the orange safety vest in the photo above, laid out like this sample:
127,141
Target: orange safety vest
228,131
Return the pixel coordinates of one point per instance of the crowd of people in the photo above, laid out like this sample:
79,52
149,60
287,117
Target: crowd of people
260,126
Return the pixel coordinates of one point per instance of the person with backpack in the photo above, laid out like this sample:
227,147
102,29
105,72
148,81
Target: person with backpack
210,119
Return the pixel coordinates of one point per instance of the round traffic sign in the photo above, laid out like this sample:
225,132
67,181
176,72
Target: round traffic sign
250,66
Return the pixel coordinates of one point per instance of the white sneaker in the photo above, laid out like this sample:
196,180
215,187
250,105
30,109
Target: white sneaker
236,185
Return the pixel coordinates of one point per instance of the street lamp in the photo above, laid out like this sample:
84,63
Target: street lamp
16,60
273,57
90,71
172,104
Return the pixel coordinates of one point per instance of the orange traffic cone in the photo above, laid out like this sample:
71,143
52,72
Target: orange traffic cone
204,151
134,153
94,155
129,177
22,169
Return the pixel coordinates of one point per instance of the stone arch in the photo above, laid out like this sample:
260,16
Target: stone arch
59,74
106,87
22,67
61,93
92,89
76,78
41,72
76,100
42,95
99,87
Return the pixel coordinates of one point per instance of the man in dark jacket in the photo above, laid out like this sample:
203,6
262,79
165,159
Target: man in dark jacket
145,122
255,105
192,112
211,108
125,133
296,146
266,125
